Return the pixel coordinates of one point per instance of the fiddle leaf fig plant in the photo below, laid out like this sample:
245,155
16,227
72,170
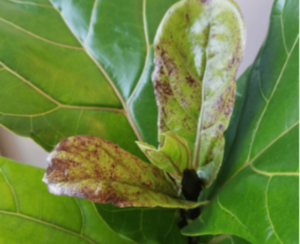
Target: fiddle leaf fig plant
133,99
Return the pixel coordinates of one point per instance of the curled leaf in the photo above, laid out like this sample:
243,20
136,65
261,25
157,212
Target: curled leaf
173,156
198,47
99,170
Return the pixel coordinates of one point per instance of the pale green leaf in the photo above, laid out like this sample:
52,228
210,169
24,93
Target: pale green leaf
198,47
173,156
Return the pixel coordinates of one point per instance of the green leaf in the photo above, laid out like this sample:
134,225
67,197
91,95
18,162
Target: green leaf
98,170
173,156
222,239
30,214
44,70
54,86
256,194
198,47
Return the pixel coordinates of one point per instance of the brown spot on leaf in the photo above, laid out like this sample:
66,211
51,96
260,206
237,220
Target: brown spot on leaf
190,81
187,17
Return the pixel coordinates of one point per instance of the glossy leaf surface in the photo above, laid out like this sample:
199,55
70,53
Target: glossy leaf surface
198,47
30,214
53,86
222,239
256,194
98,170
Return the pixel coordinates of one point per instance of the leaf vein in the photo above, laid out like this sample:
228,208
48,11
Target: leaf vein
12,190
147,55
228,211
263,150
39,37
274,173
126,108
31,3
283,37
268,213
268,102
60,105
48,224
91,21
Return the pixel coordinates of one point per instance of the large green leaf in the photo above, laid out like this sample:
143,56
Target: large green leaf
56,82
256,195
30,214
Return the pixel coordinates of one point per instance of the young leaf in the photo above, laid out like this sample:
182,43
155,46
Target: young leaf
173,156
99,170
198,47
257,191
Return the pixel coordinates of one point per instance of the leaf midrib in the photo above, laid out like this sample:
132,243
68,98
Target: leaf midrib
125,105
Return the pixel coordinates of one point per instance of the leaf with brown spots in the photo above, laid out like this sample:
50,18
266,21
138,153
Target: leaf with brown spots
100,171
198,47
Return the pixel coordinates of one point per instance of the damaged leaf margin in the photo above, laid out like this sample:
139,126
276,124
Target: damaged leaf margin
98,170
198,47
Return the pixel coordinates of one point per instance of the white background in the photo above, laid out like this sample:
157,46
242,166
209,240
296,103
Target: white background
256,14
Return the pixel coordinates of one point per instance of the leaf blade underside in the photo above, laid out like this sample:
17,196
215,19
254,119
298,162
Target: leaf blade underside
263,158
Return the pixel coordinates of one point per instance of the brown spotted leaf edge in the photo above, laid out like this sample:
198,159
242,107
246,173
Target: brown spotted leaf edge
98,170
197,50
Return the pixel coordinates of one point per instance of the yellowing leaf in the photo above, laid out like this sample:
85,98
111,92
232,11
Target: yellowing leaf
198,47
99,170
173,156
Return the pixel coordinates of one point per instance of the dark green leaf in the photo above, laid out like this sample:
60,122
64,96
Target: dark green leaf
222,239
259,184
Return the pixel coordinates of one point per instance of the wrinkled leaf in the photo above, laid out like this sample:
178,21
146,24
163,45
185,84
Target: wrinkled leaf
173,156
100,171
198,47
256,195
30,214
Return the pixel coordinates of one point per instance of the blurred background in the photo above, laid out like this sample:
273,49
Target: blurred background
256,14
